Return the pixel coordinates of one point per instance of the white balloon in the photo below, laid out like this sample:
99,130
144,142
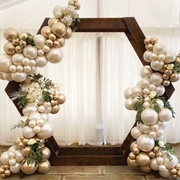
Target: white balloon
170,56
41,61
149,116
19,76
145,82
12,162
157,65
165,174
12,68
46,48
162,124
137,91
160,90
40,122
16,168
147,55
27,69
26,61
145,143
128,93
165,115
57,8
35,116
156,78
154,165
159,48
27,132
7,77
170,162
37,129
19,156
40,52
39,40
32,123
30,51
135,132
17,58
152,134
11,155
129,104
12,149
46,131
44,116
29,109
146,71
4,158
5,62
161,57
55,55
144,128
41,108
153,56
160,160
19,68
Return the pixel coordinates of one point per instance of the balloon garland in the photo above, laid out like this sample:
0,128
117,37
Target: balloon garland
149,151
37,96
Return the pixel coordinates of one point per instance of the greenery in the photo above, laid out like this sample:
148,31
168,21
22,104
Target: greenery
177,67
22,99
21,124
28,39
74,23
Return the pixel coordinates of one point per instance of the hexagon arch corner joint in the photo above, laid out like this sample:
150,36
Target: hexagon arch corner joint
97,155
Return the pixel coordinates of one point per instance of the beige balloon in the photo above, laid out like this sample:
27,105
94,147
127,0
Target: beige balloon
68,33
10,34
46,153
146,169
28,168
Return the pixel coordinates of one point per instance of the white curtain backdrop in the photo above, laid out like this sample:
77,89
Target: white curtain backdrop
96,69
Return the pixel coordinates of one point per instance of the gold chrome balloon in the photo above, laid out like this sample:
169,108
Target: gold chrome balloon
68,33
61,99
59,29
9,48
46,31
44,167
10,34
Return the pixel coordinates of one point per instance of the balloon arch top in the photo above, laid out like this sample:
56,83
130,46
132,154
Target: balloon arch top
35,96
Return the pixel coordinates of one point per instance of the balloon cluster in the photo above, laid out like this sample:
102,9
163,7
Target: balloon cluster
162,60
37,96
148,151
24,52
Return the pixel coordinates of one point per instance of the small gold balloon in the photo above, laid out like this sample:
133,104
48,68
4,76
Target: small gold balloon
143,159
165,76
26,151
55,109
132,163
3,175
44,167
178,59
15,41
61,41
146,169
132,156
6,166
49,42
174,176
7,172
52,37
25,141
149,47
59,29
178,173
173,77
28,168
151,154
1,170
56,44
51,21
46,153
77,5
61,99
46,31
166,83
18,49
173,171
136,150
133,145
178,166
68,33
156,149
168,72
20,145
53,103
9,48
159,154
147,41
10,34
154,41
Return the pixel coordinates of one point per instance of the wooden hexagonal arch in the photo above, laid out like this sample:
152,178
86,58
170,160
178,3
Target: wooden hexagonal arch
101,155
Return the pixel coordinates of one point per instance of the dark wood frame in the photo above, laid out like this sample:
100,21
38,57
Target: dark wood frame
101,155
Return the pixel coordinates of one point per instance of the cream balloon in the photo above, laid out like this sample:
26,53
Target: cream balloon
5,62
30,52
159,48
34,116
16,168
17,59
137,91
147,55
129,104
41,61
29,109
12,162
145,143
57,8
149,116
39,40
19,157
170,56
135,132
4,158
145,82
27,132
55,55
157,65
154,165
36,129
144,128
165,115
19,76
156,78
128,93
146,71
46,131
170,162
7,76
160,90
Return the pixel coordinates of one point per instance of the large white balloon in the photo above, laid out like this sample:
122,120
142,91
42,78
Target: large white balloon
157,65
165,115
159,48
30,51
46,131
149,116
156,78
29,109
28,132
17,58
170,56
147,55
16,168
41,61
19,76
160,90
170,162
55,55
39,40
128,93
5,62
135,132
129,104
145,143
146,72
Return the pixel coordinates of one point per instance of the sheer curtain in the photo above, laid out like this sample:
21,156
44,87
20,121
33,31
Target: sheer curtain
96,70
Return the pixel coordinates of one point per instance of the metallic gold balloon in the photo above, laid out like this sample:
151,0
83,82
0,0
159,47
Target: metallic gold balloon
68,33
55,109
9,48
132,163
178,166
7,172
28,168
10,34
46,31
174,176
173,171
132,156
49,42
46,153
77,6
173,77
166,83
51,21
151,154
59,29
6,166
133,145
18,49
53,103
154,40
165,76
44,167
61,99
26,151
56,44
1,170
156,149
136,150
52,37
3,175
147,41
61,41
178,173
146,169
143,159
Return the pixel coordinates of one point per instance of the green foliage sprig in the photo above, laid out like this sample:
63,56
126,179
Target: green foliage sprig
75,20
21,124
28,39
22,99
